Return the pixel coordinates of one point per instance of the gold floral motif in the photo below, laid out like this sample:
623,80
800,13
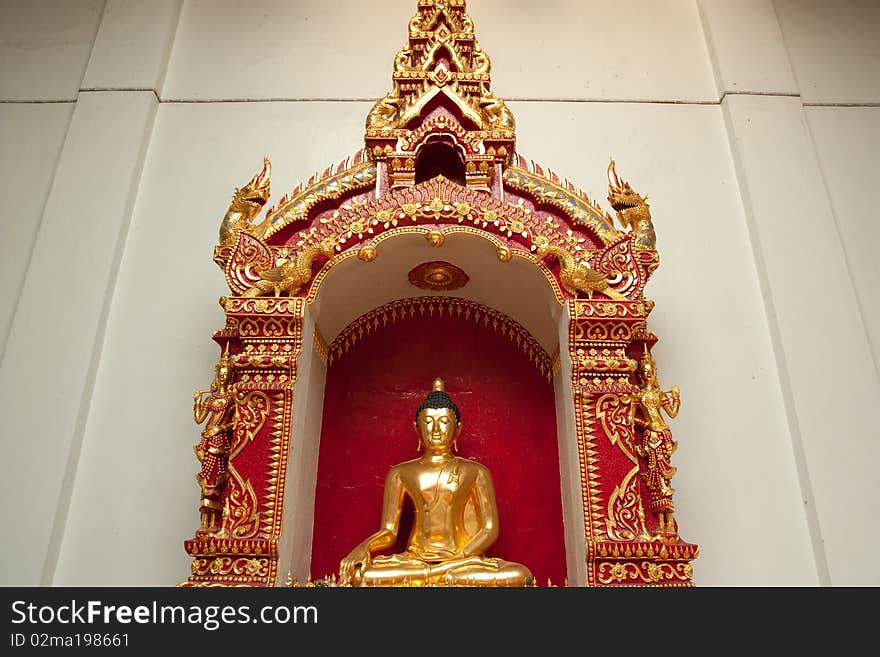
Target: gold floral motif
615,416
226,566
241,511
617,572
241,508
267,305
626,517
645,572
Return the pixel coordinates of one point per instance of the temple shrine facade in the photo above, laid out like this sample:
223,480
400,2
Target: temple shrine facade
438,250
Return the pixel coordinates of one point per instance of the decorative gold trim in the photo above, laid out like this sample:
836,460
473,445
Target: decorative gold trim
276,474
645,572
241,569
423,230
463,308
319,344
562,195
319,188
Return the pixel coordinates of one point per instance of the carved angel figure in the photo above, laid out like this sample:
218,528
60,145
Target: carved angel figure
657,445
219,409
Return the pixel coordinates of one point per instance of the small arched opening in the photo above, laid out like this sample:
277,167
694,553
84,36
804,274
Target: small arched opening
440,158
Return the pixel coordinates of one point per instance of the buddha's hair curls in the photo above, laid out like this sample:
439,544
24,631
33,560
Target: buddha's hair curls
438,398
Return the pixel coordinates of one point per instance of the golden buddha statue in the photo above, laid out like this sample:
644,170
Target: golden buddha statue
455,518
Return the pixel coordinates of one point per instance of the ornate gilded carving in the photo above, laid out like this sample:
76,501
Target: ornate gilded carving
219,409
657,445
333,183
644,573
241,510
617,270
441,125
588,459
442,57
549,188
632,210
282,410
625,272
369,252
625,516
231,569
578,276
249,255
289,275
269,332
247,202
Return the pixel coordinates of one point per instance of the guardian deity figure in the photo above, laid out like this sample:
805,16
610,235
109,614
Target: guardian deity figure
455,521
213,450
657,445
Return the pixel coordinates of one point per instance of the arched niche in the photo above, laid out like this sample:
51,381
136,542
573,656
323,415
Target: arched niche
375,355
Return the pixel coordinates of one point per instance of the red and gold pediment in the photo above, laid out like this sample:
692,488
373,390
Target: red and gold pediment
440,152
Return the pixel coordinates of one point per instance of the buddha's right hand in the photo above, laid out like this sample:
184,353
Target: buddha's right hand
359,557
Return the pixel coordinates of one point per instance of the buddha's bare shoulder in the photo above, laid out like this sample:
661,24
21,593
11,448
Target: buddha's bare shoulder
406,466
471,466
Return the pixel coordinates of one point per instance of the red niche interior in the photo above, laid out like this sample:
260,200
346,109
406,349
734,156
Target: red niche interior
508,424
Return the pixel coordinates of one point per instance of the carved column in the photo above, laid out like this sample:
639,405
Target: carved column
605,340
265,338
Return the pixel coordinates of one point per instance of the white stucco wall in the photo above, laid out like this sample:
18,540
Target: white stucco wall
752,126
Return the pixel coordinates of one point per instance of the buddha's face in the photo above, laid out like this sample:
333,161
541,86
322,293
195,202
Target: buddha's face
437,427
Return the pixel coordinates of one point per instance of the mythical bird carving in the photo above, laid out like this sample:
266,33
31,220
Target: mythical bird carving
576,276
291,274
246,204
632,210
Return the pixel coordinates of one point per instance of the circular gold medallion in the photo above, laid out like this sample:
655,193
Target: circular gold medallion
438,275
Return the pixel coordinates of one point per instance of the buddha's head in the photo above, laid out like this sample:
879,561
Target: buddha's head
438,420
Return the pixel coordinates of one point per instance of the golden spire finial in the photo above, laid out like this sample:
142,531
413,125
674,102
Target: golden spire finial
439,385
442,56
